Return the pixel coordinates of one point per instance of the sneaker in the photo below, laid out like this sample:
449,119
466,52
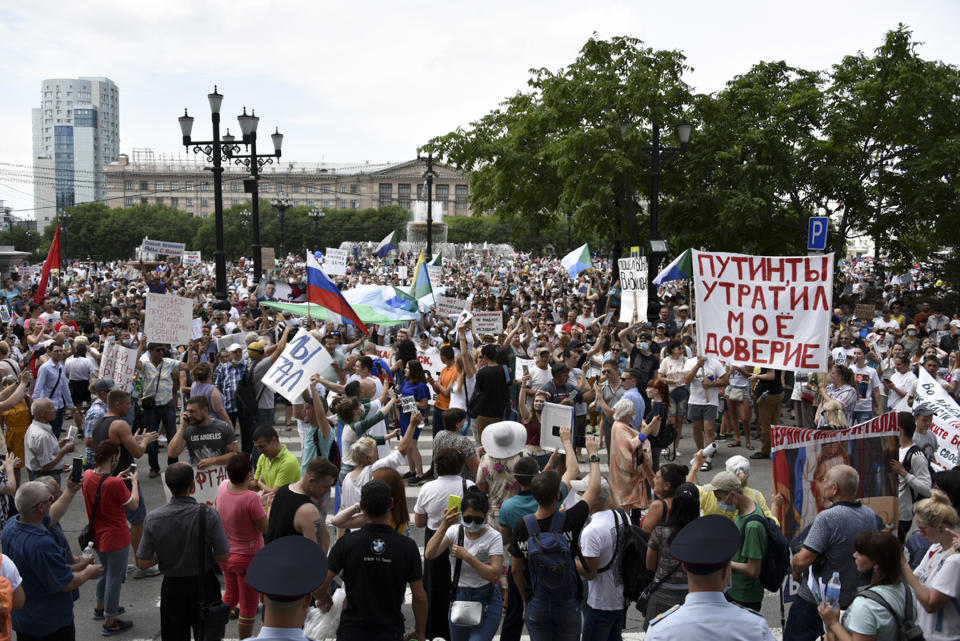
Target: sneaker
153,570
154,473
116,627
417,481
98,613
759,455
706,467
409,475
235,613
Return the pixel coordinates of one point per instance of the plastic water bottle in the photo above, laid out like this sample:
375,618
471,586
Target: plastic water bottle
707,452
88,551
833,591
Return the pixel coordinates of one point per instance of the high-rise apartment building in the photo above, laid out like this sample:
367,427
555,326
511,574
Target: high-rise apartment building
76,131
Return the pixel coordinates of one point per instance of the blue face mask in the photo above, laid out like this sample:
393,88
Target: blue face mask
726,507
644,346
472,527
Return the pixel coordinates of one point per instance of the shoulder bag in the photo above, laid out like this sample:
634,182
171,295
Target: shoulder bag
463,613
215,614
88,533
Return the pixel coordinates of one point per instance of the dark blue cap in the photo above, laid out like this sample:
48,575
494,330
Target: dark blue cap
288,568
706,544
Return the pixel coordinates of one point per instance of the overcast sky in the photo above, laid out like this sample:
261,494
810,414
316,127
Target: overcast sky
371,81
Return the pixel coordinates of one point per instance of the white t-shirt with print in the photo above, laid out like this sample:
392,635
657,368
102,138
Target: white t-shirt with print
489,544
940,570
712,368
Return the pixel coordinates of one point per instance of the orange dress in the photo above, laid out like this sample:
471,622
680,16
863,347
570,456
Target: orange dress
16,421
626,477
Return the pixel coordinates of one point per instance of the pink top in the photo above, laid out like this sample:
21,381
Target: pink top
239,512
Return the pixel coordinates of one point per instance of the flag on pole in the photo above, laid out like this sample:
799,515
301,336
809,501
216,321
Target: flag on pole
385,245
437,260
421,279
577,261
681,268
52,261
321,291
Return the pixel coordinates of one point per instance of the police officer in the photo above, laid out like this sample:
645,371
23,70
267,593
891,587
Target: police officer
286,572
705,547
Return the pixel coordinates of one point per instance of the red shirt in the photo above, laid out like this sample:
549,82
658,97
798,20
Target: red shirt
111,531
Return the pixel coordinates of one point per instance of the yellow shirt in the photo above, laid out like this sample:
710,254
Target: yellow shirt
708,503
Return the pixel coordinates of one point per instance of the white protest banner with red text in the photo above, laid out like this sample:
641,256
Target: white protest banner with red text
946,419
206,482
771,311
488,322
119,363
169,319
430,360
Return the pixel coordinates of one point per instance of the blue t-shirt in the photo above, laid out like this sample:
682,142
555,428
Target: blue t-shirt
42,563
418,391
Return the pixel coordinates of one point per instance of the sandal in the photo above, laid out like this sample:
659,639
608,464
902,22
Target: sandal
734,444
749,446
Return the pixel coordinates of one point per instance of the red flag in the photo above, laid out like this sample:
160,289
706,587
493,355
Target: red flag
53,260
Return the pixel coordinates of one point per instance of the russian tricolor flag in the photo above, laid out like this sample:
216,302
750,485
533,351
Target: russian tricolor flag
324,293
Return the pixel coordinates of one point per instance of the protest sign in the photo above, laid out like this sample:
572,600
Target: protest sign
4,314
633,283
206,482
161,247
290,374
224,342
488,322
268,258
552,418
402,272
119,363
946,419
169,319
191,258
408,404
523,366
335,262
430,360
771,311
450,306
435,272
865,311
197,328
802,457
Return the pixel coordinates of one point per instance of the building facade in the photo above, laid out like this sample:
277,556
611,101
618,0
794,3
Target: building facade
186,183
76,132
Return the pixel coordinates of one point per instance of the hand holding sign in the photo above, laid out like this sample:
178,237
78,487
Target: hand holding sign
290,374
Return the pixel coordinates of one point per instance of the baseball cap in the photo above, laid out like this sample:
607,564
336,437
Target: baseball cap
724,482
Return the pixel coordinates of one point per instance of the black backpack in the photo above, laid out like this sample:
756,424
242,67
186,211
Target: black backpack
246,395
912,451
631,545
776,560
907,625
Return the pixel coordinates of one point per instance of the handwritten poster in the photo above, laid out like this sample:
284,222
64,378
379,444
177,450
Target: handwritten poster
335,262
303,357
206,482
488,322
633,282
169,319
119,363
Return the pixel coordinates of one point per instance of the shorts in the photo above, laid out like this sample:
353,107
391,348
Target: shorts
80,392
678,401
734,393
139,514
701,413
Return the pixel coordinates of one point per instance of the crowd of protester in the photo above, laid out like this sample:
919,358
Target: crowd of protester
543,539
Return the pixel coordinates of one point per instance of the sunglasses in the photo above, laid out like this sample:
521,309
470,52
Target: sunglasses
478,520
608,371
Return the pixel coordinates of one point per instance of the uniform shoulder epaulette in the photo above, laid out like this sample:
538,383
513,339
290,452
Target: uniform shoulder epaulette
664,615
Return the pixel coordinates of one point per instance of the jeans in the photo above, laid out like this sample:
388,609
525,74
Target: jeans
602,625
57,423
114,573
437,421
862,417
487,628
548,621
513,618
153,417
803,622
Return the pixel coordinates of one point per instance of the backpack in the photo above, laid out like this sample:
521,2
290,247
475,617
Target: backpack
633,550
907,627
246,395
550,561
912,451
776,560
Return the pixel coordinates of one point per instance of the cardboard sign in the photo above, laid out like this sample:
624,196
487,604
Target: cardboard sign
430,360
402,272
268,258
633,283
552,418
335,262
408,404
865,312
435,272
450,306
197,328
207,481
119,364
169,319
488,323
224,342
191,258
161,247
290,374
771,311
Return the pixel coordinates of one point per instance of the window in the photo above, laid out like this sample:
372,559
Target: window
310,203
204,186
128,184
159,201
461,196
174,185
144,185
354,188
386,194
343,204
175,201
234,201
235,186
354,204
144,201
204,202
344,188
160,185
265,187
296,188
441,192
128,201
188,185
325,189
189,202
403,195
325,203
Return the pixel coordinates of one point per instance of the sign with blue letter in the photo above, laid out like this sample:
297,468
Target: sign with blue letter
817,233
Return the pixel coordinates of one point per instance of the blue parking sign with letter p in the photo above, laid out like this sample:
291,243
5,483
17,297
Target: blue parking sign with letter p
817,233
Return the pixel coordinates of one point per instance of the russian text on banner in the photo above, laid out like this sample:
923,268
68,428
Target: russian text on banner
206,482
303,357
169,319
633,283
946,419
771,311
119,363
488,322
